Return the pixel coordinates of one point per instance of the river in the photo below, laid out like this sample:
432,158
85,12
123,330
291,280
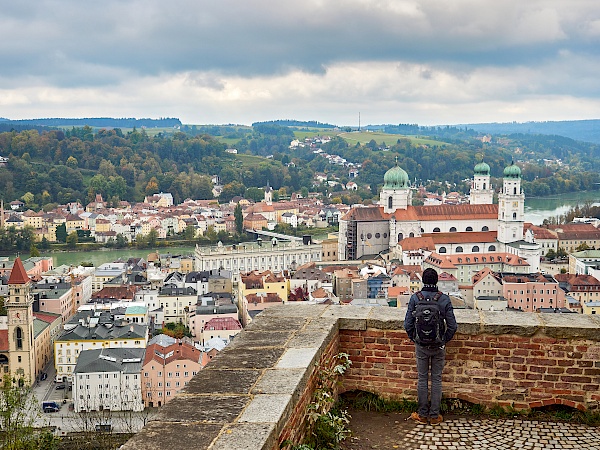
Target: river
539,208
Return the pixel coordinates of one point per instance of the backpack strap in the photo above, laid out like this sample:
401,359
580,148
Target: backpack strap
436,297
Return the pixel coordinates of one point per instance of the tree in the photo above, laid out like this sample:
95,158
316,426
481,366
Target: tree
72,240
61,233
18,411
239,219
190,232
550,254
33,251
121,241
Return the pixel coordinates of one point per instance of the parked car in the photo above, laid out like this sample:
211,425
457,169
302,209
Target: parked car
49,407
59,387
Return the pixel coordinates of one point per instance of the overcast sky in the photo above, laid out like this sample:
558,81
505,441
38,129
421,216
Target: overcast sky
221,61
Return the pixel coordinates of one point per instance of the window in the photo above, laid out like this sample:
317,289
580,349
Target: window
19,337
485,228
469,229
459,249
452,229
492,248
475,248
442,250
436,230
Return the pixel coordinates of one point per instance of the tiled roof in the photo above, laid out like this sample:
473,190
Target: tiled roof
456,212
18,275
176,351
223,323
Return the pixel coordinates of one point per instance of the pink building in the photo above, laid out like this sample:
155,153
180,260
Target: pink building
57,301
530,292
168,367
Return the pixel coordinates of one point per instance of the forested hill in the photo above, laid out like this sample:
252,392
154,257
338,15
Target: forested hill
580,130
100,122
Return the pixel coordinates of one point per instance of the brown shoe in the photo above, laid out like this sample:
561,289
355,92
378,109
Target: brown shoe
436,420
418,418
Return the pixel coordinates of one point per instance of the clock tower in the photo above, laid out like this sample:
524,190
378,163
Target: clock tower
21,360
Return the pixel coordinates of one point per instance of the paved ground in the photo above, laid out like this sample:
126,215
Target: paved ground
393,431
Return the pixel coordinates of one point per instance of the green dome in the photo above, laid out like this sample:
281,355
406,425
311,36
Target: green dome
395,178
482,169
512,171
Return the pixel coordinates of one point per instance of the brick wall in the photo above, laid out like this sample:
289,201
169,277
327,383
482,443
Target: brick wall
507,369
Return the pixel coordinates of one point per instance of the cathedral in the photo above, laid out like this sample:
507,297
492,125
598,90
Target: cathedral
480,226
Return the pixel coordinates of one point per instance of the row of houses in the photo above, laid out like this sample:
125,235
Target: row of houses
158,213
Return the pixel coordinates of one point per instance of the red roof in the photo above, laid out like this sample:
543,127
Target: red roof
177,351
18,275
223,323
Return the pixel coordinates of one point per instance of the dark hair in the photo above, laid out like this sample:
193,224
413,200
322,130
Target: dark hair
430,277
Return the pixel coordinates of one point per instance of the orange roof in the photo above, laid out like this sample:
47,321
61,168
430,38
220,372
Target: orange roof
451,261
462,237
180,351
542,233
456,212
417,243
18,275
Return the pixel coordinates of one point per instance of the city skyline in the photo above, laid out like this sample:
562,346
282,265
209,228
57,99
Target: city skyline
231,62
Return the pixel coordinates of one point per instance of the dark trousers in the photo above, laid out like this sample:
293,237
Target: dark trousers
430,364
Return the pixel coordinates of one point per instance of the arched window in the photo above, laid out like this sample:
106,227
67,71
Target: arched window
442,250
475,248
459,249
515,191
452,229
469,229
492,248
411,234
484,185
400,237
485,228
19,338
390,202
436,230
514,216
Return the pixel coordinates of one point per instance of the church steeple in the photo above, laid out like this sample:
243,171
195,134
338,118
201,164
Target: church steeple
511,206
19,308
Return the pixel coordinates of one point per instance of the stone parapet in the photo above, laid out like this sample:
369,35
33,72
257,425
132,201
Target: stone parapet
254,394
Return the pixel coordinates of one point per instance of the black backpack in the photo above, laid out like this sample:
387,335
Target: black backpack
430,325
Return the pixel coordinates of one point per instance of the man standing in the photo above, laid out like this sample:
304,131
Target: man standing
430,324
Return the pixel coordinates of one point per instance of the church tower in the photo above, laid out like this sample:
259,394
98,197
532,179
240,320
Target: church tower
268,194
511,206
396,193
21,361
481,188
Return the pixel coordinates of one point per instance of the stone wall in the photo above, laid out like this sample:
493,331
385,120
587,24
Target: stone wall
254,394
510,359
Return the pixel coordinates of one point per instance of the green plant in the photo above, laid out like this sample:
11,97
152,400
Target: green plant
328,426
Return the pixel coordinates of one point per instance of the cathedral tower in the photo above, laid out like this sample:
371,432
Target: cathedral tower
19,309
481,188
511,206
396,193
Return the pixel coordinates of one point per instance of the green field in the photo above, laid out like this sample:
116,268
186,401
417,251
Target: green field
365,137
313,132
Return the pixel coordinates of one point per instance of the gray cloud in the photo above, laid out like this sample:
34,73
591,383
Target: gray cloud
230,52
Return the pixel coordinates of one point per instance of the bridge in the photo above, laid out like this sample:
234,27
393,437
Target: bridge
271,235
